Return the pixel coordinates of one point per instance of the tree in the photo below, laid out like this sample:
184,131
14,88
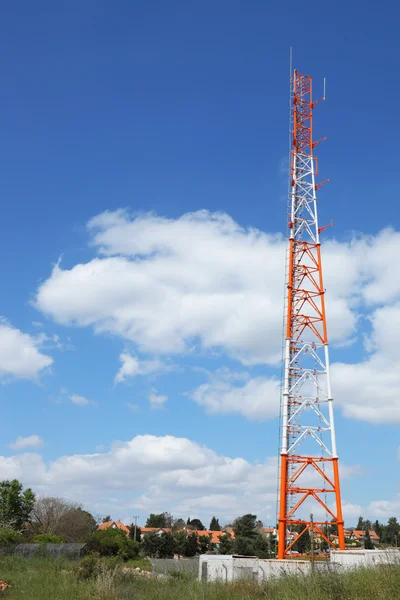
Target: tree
161,520
180,541
160,546
391,532
363,524
107,519
15,505
191,545
77,525
272,544
333,529
226,545
368,545
179,525
166,545
244,546
132,530
377,527
360,523
113,542
261,546
150,544
196,524
204,544
245,526
214,525
60,517
303,542
48,512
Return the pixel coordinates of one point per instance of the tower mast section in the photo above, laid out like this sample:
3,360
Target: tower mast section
308,472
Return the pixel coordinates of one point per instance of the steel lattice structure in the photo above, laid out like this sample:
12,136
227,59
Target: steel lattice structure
308,456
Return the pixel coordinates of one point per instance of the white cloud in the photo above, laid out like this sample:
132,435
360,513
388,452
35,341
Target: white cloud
368,390
384,509
202,282
171,284
256,399
19,355
154,474
132,366
79,400
156,400
31,441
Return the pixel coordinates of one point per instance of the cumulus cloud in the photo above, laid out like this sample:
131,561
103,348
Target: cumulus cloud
173,284
153,474
203,282
256,399
79,400
132,366
368,390
31,441
20,357
157,400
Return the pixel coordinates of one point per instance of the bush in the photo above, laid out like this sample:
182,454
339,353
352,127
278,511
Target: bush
93,565
9,539
113,542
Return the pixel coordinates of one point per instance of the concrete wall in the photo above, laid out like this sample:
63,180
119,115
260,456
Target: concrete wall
232,568
277,568
352,559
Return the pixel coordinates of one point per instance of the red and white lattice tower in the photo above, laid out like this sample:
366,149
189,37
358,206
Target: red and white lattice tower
309,471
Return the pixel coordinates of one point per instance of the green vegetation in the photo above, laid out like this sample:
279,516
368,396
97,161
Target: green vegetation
109,579
113,542
15,505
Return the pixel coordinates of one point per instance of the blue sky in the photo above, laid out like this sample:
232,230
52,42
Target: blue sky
160,110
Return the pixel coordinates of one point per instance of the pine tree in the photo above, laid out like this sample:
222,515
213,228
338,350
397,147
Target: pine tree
377,527
214,525
360,524
368,545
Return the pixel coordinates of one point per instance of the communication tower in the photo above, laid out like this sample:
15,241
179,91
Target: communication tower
308,472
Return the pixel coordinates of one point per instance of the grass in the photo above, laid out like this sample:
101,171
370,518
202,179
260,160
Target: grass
47,579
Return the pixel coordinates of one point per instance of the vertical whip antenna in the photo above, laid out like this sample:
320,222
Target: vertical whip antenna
309,472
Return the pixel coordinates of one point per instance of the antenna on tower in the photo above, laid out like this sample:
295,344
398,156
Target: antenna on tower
324,88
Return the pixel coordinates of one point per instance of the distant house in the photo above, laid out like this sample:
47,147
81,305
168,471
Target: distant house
229,531
214,535
113,525
270,530
158,530
358,536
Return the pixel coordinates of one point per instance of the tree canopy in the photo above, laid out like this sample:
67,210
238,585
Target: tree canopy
159,520
60,517
214,525
15,504
195,524
245,526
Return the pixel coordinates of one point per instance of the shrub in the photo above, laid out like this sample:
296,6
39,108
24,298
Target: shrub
47,538
113,542
9,538
93,565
